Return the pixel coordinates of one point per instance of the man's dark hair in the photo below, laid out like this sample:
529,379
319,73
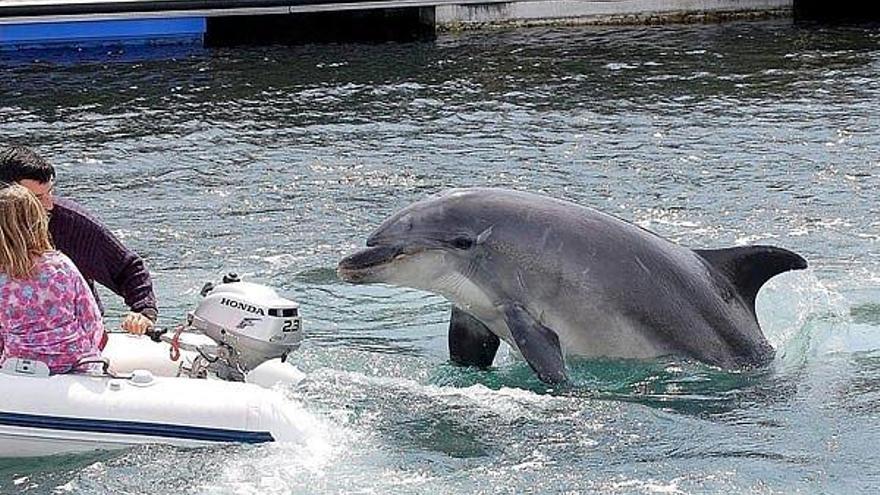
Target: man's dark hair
21,162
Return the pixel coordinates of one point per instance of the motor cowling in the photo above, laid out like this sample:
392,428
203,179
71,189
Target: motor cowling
251,321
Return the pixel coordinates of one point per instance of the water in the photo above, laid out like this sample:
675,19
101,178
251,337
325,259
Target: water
275,162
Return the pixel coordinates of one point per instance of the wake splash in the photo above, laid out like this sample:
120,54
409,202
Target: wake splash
809,320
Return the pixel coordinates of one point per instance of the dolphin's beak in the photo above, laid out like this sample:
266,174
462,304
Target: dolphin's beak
357,267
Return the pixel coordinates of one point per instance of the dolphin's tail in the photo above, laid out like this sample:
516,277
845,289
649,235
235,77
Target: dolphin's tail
749,267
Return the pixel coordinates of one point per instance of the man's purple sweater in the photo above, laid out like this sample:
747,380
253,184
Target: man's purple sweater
101,257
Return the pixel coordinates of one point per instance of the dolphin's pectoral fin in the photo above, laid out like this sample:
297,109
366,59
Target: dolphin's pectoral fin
471,343
538,344
749,267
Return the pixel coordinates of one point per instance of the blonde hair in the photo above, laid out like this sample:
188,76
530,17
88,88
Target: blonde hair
24,231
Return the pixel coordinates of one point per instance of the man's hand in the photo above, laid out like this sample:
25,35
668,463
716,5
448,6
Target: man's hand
136,323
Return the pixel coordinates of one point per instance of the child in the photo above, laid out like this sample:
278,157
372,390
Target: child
47,312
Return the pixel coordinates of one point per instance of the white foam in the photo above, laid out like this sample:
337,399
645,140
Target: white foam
806,318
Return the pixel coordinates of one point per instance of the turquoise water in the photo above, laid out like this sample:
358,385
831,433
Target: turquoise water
275,162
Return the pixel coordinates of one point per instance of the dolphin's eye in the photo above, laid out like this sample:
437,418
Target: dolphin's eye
462,242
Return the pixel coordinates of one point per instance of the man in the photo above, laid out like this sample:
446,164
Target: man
95,251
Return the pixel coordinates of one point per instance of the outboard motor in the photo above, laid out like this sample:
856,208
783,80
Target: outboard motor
250,324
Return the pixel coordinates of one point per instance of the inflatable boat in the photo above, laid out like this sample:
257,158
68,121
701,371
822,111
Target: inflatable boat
209,381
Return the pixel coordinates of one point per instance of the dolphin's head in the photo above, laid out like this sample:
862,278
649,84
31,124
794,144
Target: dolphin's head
428,245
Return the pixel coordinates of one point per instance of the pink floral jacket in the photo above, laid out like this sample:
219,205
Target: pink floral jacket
52,317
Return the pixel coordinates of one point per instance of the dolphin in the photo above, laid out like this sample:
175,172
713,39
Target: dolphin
554,279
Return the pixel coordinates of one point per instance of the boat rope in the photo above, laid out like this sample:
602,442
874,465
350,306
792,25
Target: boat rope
174,351
105,367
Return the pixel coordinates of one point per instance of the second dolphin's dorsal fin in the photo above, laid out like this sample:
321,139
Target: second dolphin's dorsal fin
749,267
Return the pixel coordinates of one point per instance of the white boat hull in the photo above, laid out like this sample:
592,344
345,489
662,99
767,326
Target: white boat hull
37,442
46,415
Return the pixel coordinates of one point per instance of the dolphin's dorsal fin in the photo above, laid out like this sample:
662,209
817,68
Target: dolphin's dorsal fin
749,267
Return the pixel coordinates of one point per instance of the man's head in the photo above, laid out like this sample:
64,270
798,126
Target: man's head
21,165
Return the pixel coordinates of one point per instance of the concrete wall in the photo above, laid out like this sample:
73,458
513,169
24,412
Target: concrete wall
543,12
